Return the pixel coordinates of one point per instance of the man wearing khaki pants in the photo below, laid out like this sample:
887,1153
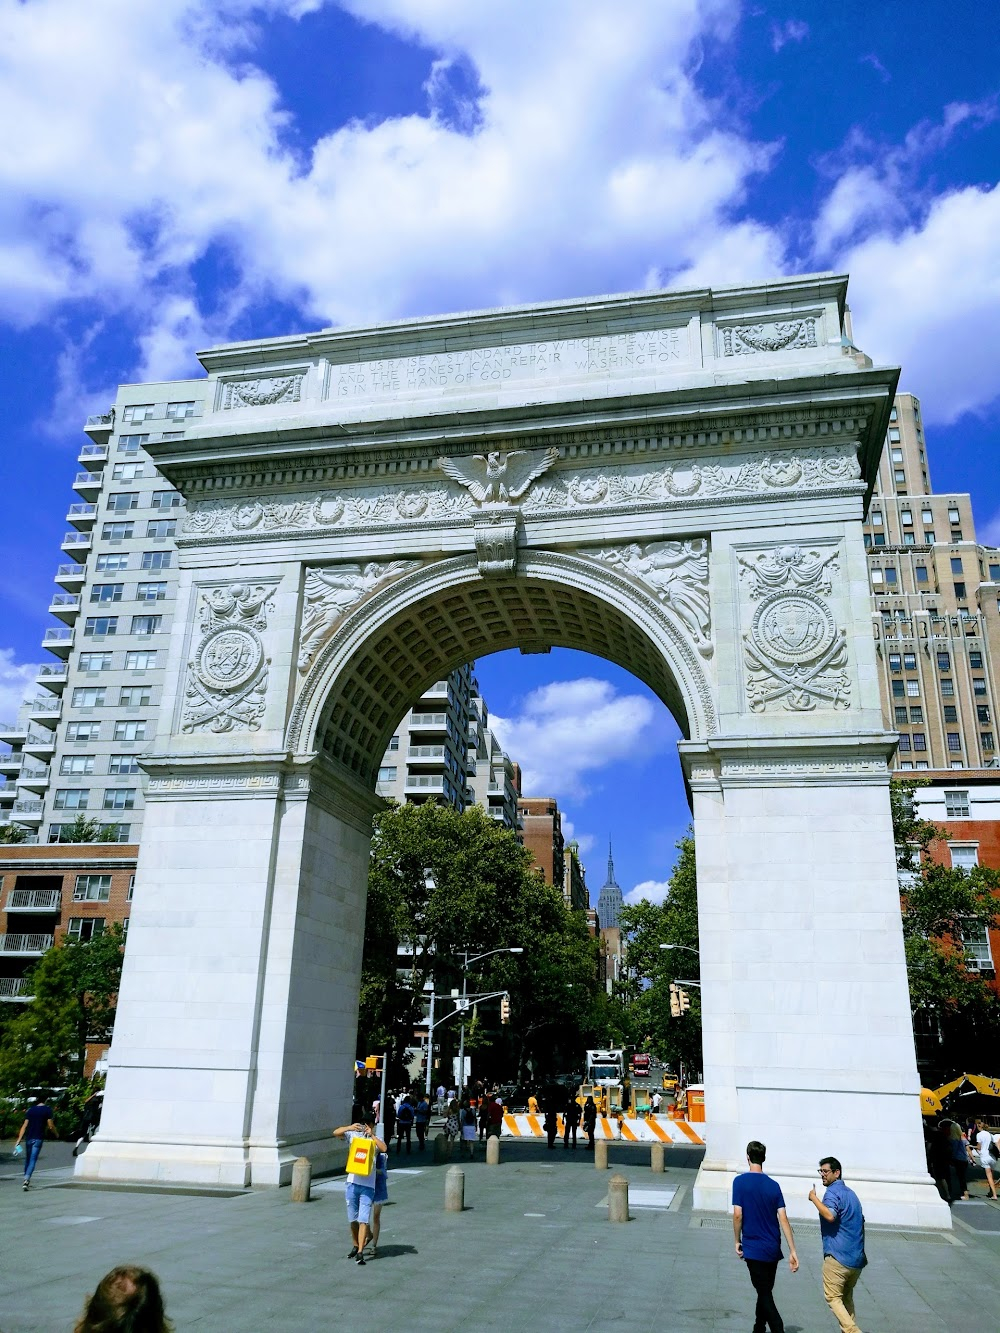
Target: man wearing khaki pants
842,1225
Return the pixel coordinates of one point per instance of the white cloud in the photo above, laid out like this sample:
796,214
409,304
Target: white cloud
16,684
653,890
567,732
794,30
991,532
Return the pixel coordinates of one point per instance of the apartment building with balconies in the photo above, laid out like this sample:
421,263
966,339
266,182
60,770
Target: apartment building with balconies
936,595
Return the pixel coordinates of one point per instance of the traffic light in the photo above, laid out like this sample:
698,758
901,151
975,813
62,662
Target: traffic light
675,1000
685,1000
504,1008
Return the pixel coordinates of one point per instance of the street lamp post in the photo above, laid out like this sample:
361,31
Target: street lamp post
680,946
466,964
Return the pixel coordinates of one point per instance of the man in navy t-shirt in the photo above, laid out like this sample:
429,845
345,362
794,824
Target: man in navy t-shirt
758,1212
37,1119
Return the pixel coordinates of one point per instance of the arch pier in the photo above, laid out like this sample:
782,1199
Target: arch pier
673,481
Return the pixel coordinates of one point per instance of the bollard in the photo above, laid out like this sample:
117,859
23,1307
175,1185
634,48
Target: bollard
441,1148
493,1150
601,1154
454,1190
617,1199
656,1157
301,1179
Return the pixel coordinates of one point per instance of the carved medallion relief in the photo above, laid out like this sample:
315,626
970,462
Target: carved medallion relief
226,684
794,652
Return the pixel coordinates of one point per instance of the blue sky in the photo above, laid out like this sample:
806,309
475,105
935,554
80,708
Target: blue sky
197,170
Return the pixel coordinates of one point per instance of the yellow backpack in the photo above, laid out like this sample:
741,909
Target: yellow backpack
361,1157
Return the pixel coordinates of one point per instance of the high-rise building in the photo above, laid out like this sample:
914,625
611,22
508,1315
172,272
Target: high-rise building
936,594
575,893
542,835
610,902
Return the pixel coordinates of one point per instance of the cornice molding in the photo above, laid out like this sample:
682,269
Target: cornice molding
838,759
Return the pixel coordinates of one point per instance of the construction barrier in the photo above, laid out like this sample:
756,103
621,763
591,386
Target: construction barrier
630,1129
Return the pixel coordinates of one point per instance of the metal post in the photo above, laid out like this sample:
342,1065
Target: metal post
461,1040
430,1047
380,1127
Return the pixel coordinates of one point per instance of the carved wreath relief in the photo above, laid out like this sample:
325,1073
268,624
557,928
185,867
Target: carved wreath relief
794,651
677,574
332,590
227,676
772,336
263,392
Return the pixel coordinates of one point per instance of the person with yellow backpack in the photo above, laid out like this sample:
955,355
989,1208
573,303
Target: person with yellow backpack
363,1148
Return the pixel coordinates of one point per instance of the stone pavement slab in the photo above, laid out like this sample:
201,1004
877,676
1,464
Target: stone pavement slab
533,1250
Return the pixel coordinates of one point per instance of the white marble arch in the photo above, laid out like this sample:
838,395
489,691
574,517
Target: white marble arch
675,481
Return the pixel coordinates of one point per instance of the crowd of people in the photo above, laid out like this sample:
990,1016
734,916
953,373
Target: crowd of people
953,1147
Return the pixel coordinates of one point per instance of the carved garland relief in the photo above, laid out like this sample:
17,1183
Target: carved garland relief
227,676
501,479
794,651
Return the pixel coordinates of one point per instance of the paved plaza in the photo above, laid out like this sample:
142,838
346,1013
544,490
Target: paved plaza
533,1250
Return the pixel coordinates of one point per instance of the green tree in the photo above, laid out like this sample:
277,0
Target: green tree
941,907
83,829
75,990
12,833
481,893
650,969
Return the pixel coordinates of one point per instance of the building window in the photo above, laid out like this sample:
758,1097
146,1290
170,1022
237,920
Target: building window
137,413
394,743
901,717
897,454
953,516
113,563
161,527
956,565
926,517
146,624
904,742
893,439
84,928
136,696
928,537
921,572
907,516
89,696
150,592
982,713
950,713
956,804
880,539
960,591
387,773
94,662
944,661
978,685
100,625
117,832
92,889
909,539
986,740
898,689
165,500
906,763
895,662
994,573
913,689
121,501
876,518
898,476
157,559
978,957
947,688
118,532
71,798
890,576
119,798
919,741
921,763
180,411
910,661
965,857
877,577
976,659
123,763
131,888
83,731
954,740
126,471
107,592
916,715
956,535
141,659
76,765
131,444
130,731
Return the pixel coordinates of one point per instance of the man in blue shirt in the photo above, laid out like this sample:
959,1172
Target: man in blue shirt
37,1120
842,1224
758,1211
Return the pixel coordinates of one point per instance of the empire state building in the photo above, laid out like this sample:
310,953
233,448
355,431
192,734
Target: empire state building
610,903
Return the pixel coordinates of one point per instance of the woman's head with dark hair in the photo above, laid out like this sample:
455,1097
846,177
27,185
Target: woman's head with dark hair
127,1300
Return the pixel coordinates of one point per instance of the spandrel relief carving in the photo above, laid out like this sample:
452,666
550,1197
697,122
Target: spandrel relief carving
677,573
331,591
226,685
794,651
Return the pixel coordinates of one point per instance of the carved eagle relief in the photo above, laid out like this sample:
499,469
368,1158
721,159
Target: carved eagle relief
498,478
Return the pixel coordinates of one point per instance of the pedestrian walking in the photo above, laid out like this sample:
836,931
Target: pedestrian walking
389,1119
655,1102
90,1120
842,1225
421,1119
494,1112
484,1116
989,1153
468,1128
404,1125
362,1152
127,1298
571,1121
381,1197
590,1121
452,1124
532,1105
759,1220
958,1145
37,1120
